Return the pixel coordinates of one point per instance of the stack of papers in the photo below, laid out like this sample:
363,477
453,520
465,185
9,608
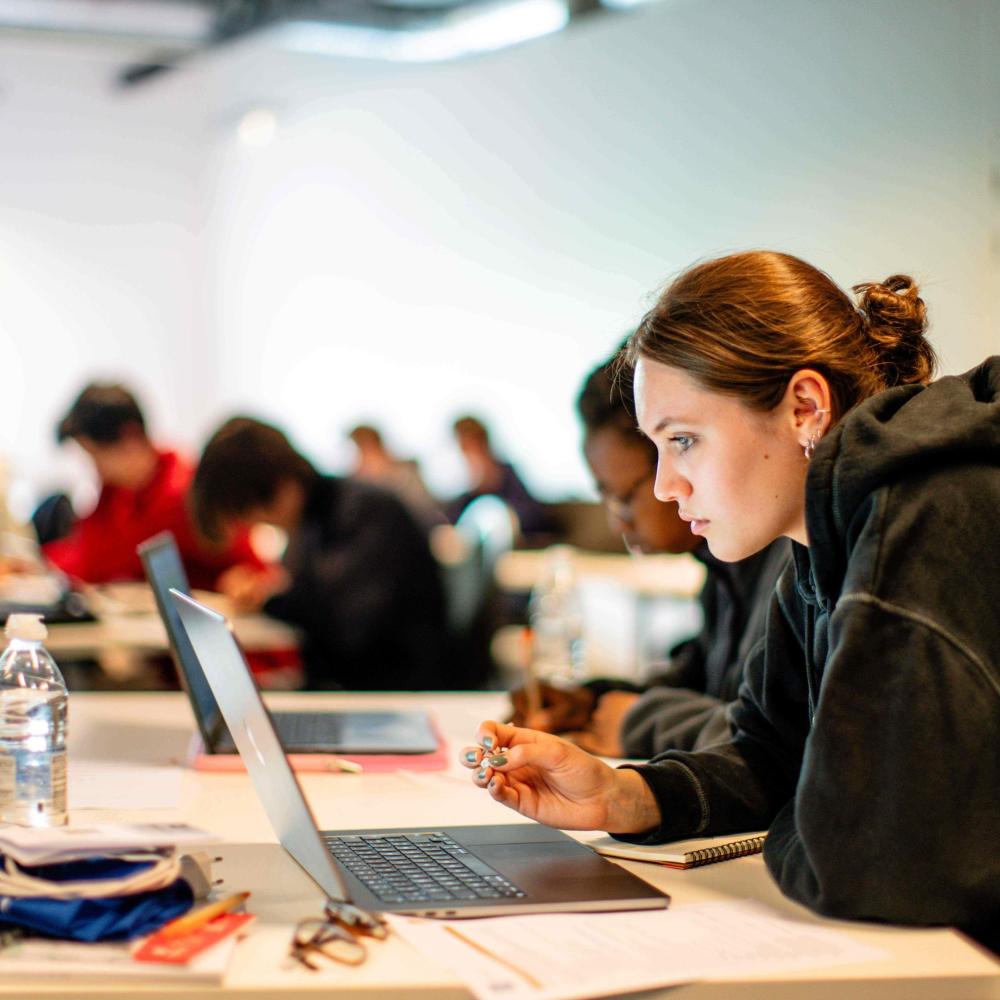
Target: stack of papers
52,845
576,955
45,959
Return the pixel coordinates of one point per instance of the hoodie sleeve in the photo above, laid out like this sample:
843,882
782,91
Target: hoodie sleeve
740,784
670,717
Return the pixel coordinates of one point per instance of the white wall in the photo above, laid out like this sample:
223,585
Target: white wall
97,248
421,240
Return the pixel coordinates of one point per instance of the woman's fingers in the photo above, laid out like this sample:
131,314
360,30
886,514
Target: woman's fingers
492,738
500,790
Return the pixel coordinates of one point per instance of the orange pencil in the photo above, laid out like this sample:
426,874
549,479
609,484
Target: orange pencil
191,921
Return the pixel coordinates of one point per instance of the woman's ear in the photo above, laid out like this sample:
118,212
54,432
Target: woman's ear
808,401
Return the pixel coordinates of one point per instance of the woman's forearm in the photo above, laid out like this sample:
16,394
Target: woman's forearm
632,807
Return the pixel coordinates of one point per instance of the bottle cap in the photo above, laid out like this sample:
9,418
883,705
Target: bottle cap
24,626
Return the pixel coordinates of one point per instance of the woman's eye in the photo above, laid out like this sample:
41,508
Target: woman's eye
682,442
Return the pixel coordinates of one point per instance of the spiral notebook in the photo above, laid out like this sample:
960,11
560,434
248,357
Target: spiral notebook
684,853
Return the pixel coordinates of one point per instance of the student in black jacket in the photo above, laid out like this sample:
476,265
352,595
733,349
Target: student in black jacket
865,737
684,704
360,579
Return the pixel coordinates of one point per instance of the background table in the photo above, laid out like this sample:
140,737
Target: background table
129,632
635,607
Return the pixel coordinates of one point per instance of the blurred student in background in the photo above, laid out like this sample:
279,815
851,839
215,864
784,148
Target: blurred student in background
489,474
359,577
375,463
684,704
144,490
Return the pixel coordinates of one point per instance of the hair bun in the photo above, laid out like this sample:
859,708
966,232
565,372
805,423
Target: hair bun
896,318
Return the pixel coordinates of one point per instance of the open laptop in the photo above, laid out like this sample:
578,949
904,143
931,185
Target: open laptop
302,733
464,871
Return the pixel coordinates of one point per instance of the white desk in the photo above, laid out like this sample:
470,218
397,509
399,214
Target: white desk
149,729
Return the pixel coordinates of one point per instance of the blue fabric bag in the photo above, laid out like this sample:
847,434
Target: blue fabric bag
110,918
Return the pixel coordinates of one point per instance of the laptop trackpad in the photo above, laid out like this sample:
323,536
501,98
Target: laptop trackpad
560,871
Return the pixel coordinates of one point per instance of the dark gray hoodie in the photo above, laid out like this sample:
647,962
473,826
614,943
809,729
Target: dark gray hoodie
867,734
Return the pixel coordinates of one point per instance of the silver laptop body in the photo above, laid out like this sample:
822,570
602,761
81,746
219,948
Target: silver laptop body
537,869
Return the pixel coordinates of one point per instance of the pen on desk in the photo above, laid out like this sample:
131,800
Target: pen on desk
496,958
342,764
532,691
195,919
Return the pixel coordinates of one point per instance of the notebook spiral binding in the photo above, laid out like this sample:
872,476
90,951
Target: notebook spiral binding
725,852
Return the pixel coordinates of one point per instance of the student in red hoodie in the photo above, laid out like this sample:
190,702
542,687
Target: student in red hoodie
144,490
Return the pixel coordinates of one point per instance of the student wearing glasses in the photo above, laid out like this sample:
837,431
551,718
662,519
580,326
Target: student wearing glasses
865,736
684,704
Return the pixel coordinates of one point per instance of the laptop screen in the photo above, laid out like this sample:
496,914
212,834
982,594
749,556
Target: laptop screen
165,572
258,743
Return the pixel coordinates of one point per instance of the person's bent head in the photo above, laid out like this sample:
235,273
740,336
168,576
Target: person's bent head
106,421
249,472
472,435
742,366
366,438
623,464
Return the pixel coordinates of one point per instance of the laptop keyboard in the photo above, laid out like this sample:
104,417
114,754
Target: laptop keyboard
303,728
419,868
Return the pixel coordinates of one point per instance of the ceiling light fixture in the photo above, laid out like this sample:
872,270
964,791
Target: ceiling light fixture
486,28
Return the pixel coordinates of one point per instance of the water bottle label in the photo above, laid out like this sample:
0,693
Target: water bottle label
8,778
58,786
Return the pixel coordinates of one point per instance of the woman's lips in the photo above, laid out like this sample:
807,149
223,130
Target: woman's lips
698,524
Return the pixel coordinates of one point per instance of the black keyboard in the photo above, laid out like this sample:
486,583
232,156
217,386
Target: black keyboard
419,868
304,728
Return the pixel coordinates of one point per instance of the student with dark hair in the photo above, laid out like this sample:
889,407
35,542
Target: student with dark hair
684,704
359,577
865,736
144,490
491,475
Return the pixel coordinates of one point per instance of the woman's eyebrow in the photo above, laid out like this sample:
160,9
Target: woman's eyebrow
663,423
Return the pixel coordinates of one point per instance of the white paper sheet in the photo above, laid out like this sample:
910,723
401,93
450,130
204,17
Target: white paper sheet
103,785
570,956
49,845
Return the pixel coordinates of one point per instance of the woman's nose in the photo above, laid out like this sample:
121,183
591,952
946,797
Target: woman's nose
668,485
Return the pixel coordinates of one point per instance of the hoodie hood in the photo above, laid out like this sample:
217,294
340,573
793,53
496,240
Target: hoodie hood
894,435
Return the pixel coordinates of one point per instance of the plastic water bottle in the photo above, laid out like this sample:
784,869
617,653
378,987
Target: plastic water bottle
32,728
556,617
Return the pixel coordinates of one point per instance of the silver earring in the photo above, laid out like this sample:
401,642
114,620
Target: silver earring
814,439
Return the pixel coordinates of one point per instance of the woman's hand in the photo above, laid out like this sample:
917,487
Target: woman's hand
548,779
